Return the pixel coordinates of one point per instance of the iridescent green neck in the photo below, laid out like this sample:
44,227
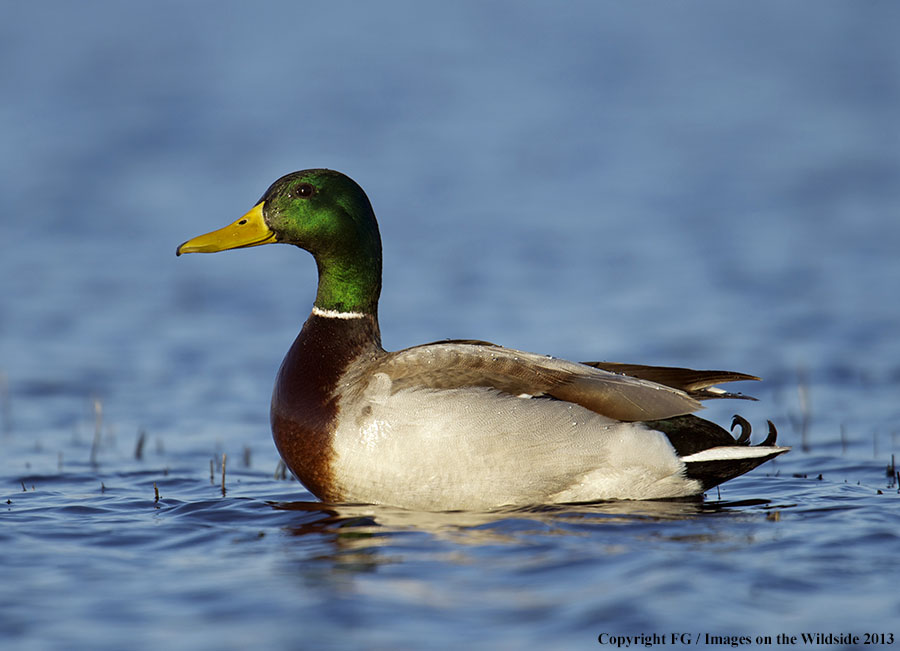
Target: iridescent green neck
350,279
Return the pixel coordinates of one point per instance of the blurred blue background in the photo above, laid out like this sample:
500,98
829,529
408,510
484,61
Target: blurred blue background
707,184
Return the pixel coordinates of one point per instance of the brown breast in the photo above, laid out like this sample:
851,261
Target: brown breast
305,402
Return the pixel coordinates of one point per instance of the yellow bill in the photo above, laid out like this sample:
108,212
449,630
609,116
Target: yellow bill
249,230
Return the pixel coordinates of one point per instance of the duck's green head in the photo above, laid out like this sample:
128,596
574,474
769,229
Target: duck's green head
329,215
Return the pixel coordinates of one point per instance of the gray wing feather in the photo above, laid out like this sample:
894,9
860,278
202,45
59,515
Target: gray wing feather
451,365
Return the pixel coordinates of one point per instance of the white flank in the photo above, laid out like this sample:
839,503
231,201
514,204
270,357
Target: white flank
334,314
731,453
476,448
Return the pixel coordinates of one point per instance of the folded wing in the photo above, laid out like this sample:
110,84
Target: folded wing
456,364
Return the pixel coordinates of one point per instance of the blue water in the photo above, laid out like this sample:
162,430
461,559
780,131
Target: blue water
714,185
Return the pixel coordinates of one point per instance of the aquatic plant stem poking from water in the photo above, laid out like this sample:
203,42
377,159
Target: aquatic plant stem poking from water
805,415
139,446
224,458
98,428
281,470
5,409
155,494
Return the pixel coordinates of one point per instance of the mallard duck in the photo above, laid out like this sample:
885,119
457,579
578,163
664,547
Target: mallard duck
463,424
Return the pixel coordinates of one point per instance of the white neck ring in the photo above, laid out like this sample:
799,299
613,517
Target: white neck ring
334,314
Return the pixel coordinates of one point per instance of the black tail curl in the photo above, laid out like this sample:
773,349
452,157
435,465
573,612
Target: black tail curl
746,428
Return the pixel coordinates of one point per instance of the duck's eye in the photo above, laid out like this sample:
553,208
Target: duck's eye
304,190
